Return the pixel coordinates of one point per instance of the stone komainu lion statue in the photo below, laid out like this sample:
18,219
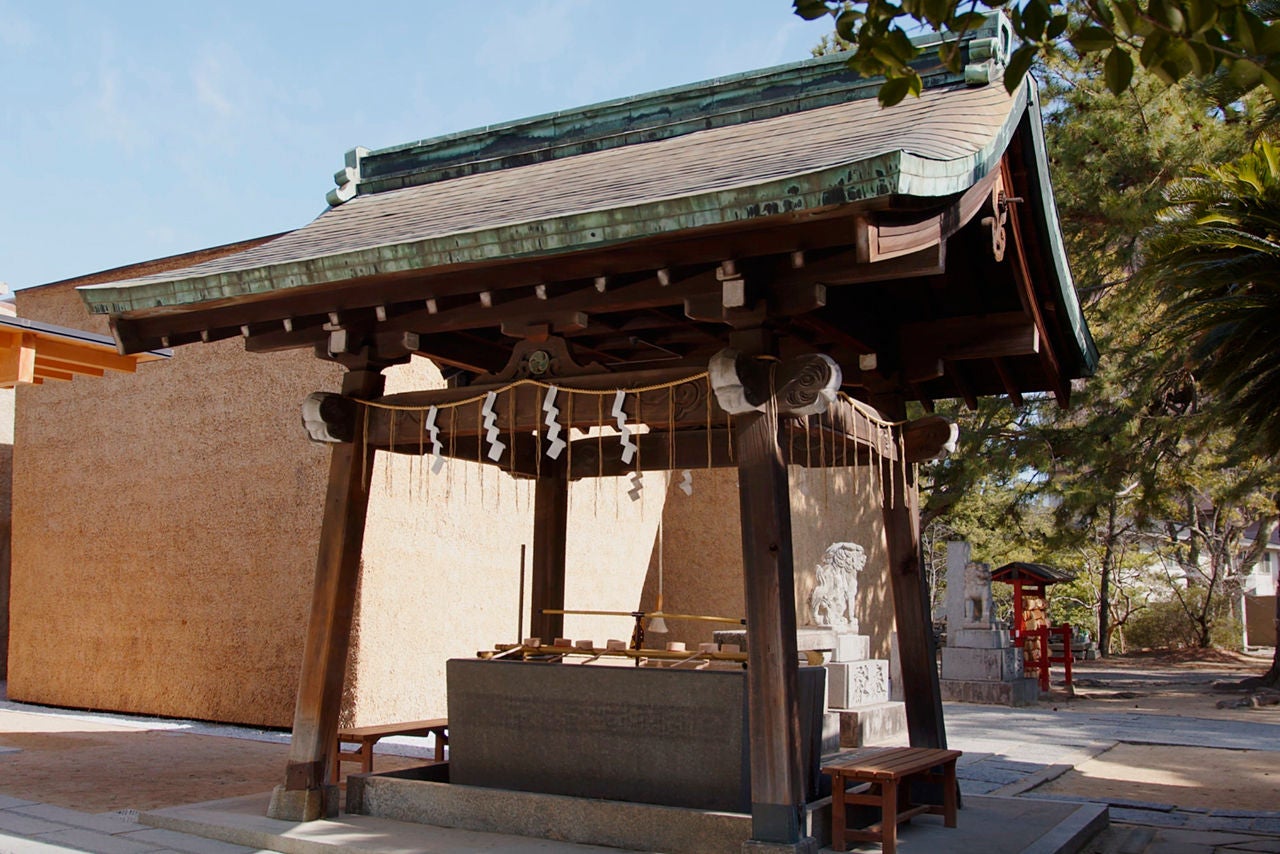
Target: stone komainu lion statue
977,594
832,602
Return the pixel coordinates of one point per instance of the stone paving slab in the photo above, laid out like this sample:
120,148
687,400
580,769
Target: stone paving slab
1265,845
243,821
107,823
20,845
986,826
8,803
173,841
99,843
25,825
1030,727
38,828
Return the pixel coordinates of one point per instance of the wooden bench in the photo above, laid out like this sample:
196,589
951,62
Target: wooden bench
368,736
882,777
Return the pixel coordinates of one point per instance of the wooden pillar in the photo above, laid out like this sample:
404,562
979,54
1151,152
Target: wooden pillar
753,391
777,779
550,531
306,795
916,647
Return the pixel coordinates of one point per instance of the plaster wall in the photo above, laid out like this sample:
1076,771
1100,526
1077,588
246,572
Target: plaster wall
164,531
441,574
702,571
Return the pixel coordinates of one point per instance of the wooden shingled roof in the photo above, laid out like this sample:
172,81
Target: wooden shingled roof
1038,573
643,230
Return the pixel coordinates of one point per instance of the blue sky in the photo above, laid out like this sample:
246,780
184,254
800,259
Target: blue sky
135,130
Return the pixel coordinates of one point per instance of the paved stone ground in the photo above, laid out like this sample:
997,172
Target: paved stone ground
1007,752
27,827
1011,751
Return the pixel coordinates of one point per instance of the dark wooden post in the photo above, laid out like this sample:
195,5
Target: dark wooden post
550,531
777,779
306,795
916,647
753,391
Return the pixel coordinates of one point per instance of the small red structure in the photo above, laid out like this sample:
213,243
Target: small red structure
1031,626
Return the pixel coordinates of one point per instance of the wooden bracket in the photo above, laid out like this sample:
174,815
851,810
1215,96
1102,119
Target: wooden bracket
805,385
329,418
540,359
930,438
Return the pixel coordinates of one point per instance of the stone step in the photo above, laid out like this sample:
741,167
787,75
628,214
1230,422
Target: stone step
875,723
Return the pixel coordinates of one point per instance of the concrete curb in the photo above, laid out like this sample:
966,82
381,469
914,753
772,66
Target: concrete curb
1074,832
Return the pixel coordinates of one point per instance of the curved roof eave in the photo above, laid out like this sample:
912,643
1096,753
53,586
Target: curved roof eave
1049,227
886,173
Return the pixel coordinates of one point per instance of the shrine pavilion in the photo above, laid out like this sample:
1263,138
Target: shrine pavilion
757,273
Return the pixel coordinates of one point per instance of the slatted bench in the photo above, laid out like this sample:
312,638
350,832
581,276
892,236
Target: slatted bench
368,736
882,777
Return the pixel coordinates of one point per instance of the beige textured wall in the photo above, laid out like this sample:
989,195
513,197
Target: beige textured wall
6,519
843,506
6,493
164,531
703,549
441,575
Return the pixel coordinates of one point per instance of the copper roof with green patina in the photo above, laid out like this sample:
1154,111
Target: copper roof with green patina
799,137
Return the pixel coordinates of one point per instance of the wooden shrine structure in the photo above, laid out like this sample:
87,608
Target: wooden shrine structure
763,270
1031,629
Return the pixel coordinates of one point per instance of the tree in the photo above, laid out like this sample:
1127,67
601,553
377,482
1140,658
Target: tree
1088,486
1203,533
1216,262
1171,39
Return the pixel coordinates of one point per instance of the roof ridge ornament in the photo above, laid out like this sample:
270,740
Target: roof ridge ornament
347,178
989,56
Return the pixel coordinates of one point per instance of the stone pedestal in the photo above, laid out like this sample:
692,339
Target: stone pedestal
858,706
979,663
859,711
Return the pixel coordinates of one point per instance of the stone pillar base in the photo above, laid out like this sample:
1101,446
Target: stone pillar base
303,804
1017,692
874,723
807,845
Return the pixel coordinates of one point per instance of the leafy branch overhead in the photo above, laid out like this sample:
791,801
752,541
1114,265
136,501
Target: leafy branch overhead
1173,39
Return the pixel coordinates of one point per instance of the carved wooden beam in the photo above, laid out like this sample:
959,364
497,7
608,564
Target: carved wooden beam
930,438
685,449
689,425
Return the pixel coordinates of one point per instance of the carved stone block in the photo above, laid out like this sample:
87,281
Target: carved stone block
857,683
880,723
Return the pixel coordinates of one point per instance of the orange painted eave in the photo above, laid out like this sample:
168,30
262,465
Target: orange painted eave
32,353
